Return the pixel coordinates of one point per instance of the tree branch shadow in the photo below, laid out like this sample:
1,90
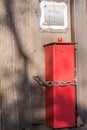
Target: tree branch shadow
23,88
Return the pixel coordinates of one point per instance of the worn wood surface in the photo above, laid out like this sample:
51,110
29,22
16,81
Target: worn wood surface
21,57
81,39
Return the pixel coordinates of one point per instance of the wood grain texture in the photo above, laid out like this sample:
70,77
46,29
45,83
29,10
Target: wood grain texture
81,38
21,57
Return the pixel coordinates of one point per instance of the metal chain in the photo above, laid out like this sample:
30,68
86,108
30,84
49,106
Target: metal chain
42,82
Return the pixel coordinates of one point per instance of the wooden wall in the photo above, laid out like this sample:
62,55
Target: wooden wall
81,39
22,100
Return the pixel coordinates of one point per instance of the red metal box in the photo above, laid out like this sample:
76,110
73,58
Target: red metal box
60,101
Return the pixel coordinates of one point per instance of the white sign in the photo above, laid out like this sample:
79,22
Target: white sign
54,15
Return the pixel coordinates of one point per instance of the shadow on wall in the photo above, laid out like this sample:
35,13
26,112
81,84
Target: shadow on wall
22,89
17,112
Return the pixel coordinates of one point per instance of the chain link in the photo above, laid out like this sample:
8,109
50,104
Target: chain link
42,82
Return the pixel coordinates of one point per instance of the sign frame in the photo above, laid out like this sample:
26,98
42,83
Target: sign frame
54,16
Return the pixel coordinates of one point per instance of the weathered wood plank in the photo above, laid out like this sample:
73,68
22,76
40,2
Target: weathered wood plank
9,104
81,38
22,56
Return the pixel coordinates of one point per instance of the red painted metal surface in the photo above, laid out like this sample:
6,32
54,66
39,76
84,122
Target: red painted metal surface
60,101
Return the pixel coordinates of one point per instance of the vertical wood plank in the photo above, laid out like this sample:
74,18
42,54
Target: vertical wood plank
81,39
21,62
9,106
